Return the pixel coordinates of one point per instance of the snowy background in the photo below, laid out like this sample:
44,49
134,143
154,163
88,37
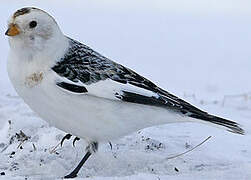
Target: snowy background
198,50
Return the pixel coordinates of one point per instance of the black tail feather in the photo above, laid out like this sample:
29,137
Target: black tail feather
230,125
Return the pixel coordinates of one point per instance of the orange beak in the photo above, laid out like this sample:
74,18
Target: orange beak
13,30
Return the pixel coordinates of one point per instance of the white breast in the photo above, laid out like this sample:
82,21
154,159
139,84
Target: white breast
85,115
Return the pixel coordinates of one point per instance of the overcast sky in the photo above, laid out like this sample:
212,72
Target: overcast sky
207,7
133,32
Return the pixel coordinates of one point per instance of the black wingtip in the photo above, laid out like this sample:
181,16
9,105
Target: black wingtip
236,129
230,126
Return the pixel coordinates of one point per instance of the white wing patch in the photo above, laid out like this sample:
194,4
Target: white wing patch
108,88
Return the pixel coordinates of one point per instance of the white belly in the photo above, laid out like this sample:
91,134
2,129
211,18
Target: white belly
89,117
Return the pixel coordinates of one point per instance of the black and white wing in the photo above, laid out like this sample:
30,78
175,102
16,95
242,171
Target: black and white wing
86,71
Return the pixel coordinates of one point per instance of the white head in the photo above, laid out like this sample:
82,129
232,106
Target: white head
34,30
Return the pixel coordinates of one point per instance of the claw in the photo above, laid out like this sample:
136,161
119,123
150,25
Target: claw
67,136
75,139
110,144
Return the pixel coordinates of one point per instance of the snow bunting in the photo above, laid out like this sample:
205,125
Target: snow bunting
81,92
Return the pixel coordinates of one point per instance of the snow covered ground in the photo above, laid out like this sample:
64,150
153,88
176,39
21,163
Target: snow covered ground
198,51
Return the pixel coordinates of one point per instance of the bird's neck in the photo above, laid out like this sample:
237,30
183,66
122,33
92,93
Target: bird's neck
48,53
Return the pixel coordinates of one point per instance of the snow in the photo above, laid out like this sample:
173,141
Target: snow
200,55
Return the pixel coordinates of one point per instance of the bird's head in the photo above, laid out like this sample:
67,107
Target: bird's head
32,28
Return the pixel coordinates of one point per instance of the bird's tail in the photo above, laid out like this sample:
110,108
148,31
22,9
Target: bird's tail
229,125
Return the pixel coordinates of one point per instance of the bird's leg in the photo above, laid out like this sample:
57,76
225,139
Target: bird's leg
91,148
74,173
67,136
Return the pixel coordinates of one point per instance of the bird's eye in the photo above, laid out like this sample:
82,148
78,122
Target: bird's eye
33,24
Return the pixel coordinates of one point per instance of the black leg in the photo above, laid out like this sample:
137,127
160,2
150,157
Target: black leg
74,173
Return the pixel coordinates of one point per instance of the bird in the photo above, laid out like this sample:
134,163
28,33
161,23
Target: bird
83,93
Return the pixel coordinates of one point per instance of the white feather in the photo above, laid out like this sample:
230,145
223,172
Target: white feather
97,115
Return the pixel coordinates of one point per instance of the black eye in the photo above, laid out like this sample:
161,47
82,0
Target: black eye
33,24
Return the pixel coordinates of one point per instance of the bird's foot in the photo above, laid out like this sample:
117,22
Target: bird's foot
69,176
91,148
110,144
67,136
75,139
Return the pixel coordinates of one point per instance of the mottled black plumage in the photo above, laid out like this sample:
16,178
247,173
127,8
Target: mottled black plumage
81,63
21,12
